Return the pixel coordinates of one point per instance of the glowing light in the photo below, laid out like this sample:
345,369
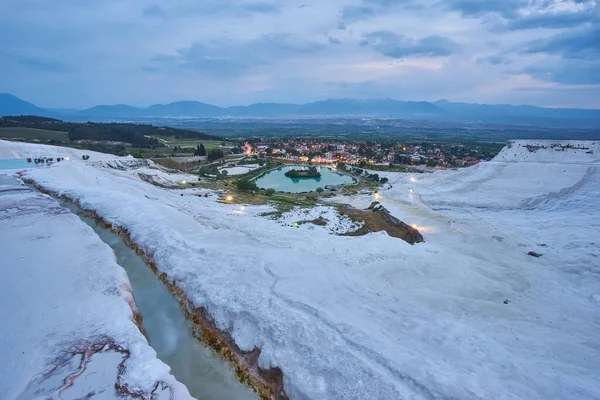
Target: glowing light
414,226
413,180
411,191
183,182
296,224
67,158
243,208
377,196
229,198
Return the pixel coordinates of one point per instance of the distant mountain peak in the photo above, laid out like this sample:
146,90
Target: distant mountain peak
440,110
12,105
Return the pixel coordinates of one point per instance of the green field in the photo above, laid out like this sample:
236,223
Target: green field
208,144
33,134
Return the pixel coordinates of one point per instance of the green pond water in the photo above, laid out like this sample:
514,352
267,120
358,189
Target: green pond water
277,180
15,163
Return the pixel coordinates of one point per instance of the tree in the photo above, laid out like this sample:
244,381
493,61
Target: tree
201,150
270,192
400,159
320,190
384,180
269,151
246,185
224,173
85,157
215,154
209,171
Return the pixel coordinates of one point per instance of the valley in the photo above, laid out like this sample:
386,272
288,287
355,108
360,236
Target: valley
333,315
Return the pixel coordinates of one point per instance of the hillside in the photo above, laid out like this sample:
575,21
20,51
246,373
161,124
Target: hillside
10,150
104,137
545,151
441,111
12,105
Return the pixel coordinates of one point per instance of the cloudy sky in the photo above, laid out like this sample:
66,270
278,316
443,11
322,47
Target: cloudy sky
79,53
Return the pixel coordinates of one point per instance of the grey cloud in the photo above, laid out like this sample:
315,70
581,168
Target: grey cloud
393,45
228,58
543,17
334,40
370,8
477,8
154,10
573,72
574,44
211,7
551,21
579,52
494,59
356,13
45,64
260,7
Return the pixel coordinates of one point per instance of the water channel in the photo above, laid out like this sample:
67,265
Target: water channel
206,376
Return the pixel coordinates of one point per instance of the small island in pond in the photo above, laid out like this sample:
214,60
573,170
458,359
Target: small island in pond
303,173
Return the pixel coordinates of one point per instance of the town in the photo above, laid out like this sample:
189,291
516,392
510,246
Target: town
422,155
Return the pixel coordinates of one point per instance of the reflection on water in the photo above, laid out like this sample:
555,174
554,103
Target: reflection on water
206,376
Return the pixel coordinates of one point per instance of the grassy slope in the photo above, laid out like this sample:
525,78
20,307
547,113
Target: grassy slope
33,134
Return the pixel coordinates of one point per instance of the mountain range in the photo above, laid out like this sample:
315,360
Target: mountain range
440,110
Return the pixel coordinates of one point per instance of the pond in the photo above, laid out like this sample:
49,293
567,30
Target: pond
15,163
277,180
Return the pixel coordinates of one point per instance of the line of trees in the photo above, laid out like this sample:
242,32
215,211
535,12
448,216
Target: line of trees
214,154
200,150
359,171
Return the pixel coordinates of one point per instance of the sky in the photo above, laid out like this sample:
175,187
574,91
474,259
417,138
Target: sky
80,53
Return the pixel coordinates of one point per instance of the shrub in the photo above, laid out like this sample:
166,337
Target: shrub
270,192
85,157
320,190
246,185
210,170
